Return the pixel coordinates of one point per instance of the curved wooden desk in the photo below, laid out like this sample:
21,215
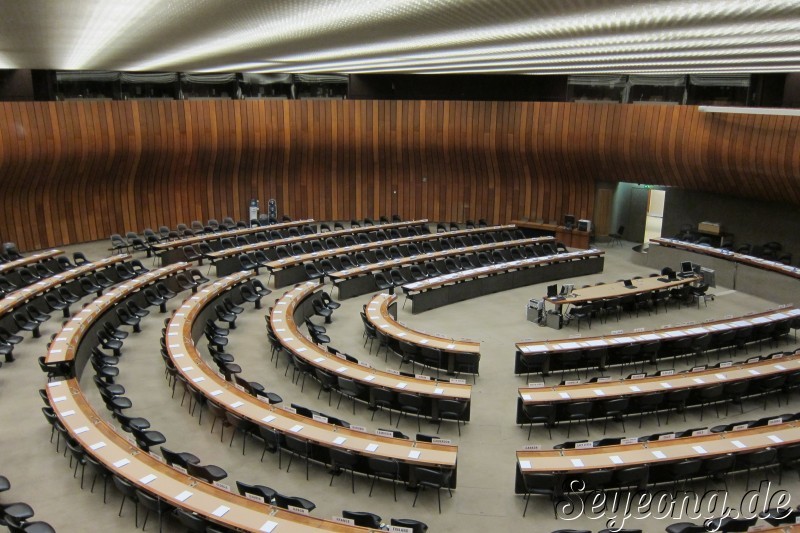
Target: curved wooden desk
633,388
292,270
618,289
429,293
26,294
190,365
172,251
744,259
655,453
146,472
766,279
297,302
29,260
226,260
379,314
354,281
546,353
65,344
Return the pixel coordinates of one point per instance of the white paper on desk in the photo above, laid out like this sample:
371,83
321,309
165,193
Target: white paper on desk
281,330
216,392
198,380
740,324
402,385
402,334
616,459
674,333
599,392
341,369
658,454
147,479
776,439
268,526
339,440
301,350
178,356
296,428
754,372
55,351
414,454
738,444
319,359
699,449
569,345
577,462
534,349
698,331
438,391
369,378
97,445
221,510
780,367
596,342
719,327
525,464
237,404
82,429
59,399
68,413
564,395
187,368
634,388
698,380
268,418
526,397
666,385
183,496
451,346
121,463
759,320
372,447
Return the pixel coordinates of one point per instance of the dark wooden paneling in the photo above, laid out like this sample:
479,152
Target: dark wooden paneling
78,171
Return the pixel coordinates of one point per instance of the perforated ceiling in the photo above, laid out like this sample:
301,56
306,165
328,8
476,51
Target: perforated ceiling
414,36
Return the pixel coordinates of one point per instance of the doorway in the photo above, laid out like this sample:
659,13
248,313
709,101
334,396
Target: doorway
655,214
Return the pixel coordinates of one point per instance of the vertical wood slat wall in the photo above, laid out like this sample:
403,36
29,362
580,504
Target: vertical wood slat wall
78,171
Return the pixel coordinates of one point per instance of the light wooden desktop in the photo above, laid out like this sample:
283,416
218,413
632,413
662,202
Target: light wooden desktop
29,260
609,390
147,472
65,344
378,314
190,364
657,452
290,337
597,293
26,294
551,349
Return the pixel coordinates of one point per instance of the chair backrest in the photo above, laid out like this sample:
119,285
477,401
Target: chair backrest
364,519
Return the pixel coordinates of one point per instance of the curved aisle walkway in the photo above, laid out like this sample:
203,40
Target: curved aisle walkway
484,499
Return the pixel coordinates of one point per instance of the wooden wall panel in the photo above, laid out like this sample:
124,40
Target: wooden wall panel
78,171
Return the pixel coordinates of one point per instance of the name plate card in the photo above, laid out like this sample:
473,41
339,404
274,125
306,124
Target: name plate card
222,486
